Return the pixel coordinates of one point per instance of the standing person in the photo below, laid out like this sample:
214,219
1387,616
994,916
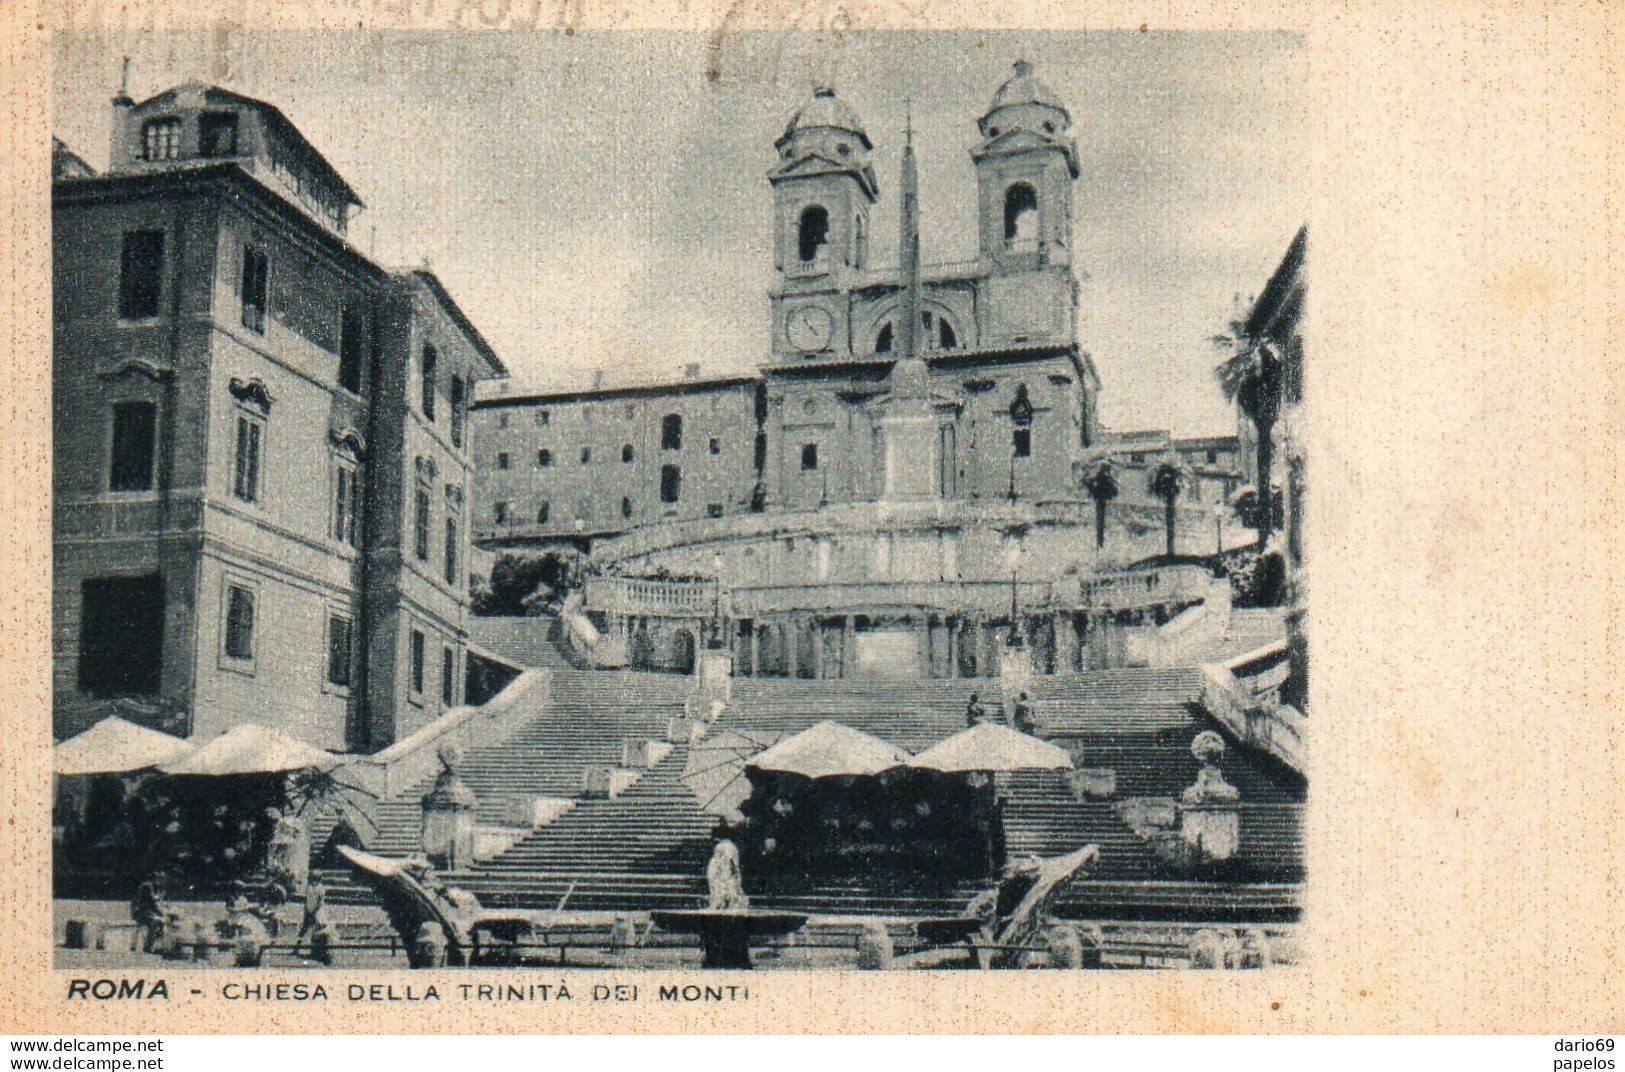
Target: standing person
147,909
315,902
1022,717
973,710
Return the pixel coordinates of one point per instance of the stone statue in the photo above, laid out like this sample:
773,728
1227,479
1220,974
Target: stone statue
722,878
282,856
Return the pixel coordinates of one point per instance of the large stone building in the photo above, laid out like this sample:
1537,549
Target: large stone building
901,488
263,459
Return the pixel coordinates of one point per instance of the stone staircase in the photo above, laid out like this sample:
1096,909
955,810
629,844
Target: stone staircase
1251,628
648,847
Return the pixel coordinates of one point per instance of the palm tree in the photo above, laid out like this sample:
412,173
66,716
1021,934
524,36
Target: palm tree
1102,488
1252,379
1165,484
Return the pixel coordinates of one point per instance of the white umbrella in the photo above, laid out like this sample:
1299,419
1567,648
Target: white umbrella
253,749
113,746
830,749
990,747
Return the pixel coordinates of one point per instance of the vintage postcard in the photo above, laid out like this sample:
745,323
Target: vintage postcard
802,517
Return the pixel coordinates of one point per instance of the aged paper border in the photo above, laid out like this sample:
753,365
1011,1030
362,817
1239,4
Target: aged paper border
1465,408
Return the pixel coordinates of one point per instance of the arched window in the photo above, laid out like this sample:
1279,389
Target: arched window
161,139
1020,217
813,232
883,341
945,335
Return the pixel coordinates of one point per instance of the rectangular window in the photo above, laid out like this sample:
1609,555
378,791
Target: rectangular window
1022,442
134,431
713,509
671,432
499,513
448,676
431,362
218,134
458,404
245,473
161,139
541,418
255,288
586,455
502,460
420,527
121,635
239,622
346,501
671,483
809,456
716,445
141,274
417,664
352,342
451,552
544,458
340,643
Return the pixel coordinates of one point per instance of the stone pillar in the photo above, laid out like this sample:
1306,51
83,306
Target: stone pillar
1209,820
792,646
1015,674
849,646
448,815
1066,643
818,648
755,649
953,646
922,644
713,677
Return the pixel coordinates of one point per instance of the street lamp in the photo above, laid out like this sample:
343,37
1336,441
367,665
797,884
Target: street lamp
717,642
1218,528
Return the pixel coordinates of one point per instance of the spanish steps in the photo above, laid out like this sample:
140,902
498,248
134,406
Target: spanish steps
648,847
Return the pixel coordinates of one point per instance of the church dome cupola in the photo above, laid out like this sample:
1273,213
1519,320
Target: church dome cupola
1026,114
824,112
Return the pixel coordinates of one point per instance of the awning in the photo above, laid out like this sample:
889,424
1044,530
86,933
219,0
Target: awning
113,745
253,749
829,749
991,747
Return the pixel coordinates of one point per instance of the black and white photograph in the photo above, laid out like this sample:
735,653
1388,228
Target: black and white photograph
843,519
797,517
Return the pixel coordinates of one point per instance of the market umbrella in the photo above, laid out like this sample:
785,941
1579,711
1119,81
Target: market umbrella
991,747
318,779
253,749
829,749
715,770
114,746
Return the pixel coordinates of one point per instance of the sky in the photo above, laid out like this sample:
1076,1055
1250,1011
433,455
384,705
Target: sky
596,201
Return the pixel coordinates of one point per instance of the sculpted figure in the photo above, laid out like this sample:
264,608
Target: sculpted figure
722,877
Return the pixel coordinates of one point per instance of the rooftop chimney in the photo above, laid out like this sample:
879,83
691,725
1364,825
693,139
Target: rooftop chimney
691,371
597,378
122,149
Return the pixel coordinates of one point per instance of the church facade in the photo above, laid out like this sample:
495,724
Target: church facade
902,486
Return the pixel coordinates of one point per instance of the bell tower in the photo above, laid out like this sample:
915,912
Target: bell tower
823,188
1026,163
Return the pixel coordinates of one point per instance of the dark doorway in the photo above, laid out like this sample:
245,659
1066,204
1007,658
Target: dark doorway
121,636
682,651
